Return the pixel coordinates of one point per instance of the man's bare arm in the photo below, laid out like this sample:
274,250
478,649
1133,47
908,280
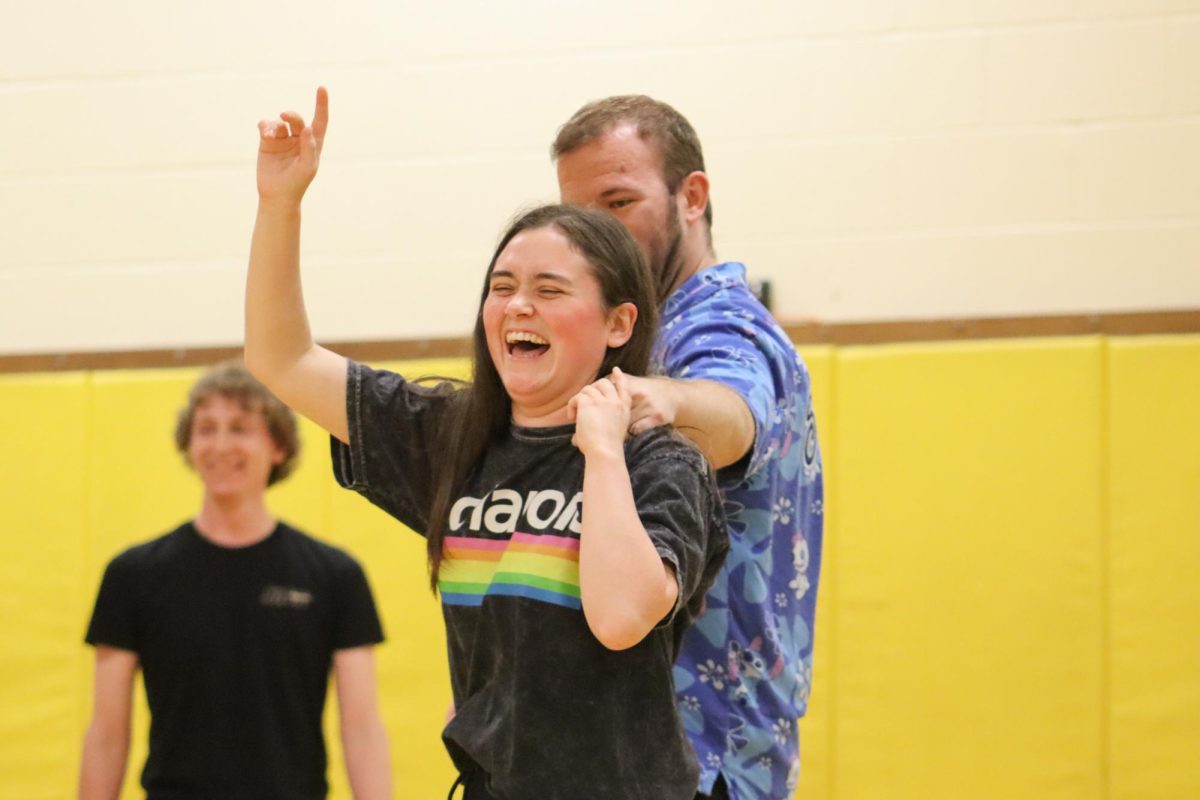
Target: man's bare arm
106,743
364,741
711,414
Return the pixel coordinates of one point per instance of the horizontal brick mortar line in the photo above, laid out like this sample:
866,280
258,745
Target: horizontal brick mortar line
801,332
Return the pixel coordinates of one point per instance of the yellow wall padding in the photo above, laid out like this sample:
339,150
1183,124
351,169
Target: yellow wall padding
968,570
1008,603
816,728
1154,640
43,485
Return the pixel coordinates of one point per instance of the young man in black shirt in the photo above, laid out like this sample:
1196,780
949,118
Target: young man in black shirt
235,619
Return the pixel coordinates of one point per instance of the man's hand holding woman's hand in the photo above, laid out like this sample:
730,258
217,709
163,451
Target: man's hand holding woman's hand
601,415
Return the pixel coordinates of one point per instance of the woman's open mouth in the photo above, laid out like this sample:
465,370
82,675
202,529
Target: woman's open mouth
523,344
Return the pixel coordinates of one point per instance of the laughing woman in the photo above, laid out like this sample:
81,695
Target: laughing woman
569,558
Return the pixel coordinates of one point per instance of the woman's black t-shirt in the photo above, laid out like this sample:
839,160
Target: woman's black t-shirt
542,707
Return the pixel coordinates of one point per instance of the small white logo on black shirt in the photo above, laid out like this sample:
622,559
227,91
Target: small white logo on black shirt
285,597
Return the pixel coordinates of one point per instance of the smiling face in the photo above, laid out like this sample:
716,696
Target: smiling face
231,448
621,173
546,324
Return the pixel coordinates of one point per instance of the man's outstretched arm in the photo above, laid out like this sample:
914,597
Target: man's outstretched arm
711,414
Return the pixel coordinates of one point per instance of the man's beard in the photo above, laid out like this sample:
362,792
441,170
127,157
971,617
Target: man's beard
667,273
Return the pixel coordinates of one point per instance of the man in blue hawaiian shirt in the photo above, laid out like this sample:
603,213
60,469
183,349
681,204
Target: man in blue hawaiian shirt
737,387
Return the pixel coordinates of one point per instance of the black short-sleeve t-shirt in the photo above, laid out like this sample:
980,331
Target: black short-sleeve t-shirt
235,647
542,707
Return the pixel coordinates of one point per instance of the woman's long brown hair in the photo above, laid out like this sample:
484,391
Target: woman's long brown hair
479,413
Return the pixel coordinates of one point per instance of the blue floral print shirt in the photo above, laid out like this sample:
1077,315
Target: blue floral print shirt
743,676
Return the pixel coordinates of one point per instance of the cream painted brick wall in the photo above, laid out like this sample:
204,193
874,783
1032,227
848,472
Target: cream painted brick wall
961,13
848,16
132,37
1100,8
81,40
1140,172
1065,73
982,181
357,207
812,188
201,121
1183,67
877,159
1009,272
107,220
889,84
181,304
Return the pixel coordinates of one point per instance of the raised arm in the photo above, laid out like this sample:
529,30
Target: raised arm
711,414
106,743
280,350
625,586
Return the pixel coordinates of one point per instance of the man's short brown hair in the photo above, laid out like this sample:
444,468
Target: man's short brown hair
656,122
231,379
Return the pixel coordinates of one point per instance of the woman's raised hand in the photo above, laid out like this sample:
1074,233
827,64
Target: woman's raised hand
289,151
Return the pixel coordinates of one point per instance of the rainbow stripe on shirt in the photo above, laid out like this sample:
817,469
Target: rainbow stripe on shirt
538,567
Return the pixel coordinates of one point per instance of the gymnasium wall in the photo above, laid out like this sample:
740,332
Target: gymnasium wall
876,159
1008,604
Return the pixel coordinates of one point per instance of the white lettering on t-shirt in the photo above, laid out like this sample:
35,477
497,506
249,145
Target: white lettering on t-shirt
569,518
463,503
535,500
502,511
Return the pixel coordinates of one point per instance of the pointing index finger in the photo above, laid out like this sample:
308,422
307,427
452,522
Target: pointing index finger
321,113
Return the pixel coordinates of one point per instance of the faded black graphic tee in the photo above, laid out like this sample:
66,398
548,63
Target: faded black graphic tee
543,708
